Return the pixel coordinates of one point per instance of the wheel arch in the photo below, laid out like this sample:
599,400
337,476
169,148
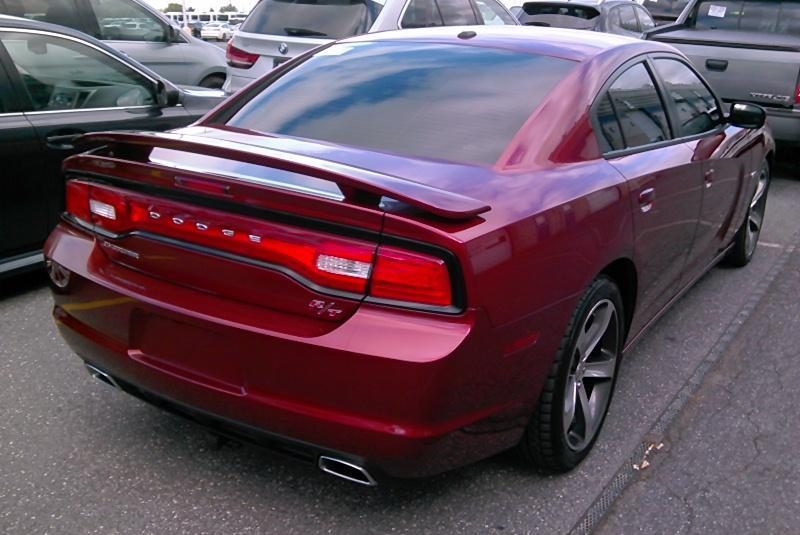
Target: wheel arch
623,272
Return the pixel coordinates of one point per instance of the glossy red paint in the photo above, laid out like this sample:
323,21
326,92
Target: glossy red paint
409,390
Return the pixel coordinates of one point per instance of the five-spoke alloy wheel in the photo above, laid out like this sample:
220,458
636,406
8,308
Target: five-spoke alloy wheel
577,393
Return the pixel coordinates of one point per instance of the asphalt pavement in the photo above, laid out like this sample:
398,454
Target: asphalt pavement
79,457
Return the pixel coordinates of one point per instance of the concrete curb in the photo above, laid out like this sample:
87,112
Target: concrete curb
629,471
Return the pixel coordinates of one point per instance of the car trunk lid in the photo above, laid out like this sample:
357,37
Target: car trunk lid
285,230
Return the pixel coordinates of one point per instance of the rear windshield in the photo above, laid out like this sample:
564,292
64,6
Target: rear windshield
539,8
333,19
453,102
781,17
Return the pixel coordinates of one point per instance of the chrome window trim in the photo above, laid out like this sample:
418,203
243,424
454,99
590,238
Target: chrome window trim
79,41
12,114
75,110
30,259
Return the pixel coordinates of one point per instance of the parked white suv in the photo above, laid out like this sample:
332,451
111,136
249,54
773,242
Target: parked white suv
277,30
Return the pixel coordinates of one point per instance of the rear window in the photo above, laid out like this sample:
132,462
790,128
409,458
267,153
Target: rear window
452,102
581,12
781,17
334,19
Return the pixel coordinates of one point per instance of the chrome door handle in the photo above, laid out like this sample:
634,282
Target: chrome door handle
708,178
646,198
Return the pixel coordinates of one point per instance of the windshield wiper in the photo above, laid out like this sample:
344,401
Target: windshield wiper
300,32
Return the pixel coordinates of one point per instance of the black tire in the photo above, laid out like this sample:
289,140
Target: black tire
546,444
746,238
213,81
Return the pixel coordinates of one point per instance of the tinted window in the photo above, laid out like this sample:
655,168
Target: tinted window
439,101
638,107
457,12
667,9
61,74
422,14
610,129
582,12
645,20
312,18
493,13
63,12
624,18
770,17
697,109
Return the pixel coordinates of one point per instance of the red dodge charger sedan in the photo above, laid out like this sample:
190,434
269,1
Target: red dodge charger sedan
408,251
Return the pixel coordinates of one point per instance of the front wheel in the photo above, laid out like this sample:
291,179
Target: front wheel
575,399
746,239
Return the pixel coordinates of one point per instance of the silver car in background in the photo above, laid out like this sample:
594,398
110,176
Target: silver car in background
749,51
278,30
135,28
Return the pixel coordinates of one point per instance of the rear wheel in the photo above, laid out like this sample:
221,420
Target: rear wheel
577,393
213,81
746,239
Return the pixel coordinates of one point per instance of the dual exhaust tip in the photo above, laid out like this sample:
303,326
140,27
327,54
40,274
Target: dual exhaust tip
330,465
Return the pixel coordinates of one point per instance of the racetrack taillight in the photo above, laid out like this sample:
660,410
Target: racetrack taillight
316,258
402,275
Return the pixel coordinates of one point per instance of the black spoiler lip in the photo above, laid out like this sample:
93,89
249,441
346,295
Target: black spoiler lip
438,202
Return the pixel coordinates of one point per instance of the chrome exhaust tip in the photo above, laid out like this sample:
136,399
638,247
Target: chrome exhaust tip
346,470
99,374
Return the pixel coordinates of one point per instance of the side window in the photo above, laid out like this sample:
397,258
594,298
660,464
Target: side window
645,20
492,13
627,19
696,107
421,14
119,20
637,107
63,12
61,74
609,124
457,12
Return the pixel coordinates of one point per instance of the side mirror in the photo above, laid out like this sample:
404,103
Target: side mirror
172,34
746,115
167,95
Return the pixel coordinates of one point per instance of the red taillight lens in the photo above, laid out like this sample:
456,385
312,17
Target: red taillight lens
77,194
327,260
239,58
409,276
105,207
797,94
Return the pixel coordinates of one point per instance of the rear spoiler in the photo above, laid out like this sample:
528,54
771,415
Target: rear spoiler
352,180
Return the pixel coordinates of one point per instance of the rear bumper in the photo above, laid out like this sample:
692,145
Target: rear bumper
406,394
238,78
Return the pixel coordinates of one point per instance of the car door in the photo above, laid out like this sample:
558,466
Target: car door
632,125
23,206
71,87
131,28
716,150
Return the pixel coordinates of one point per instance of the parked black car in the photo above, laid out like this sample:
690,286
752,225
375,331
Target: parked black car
621,17
56,84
